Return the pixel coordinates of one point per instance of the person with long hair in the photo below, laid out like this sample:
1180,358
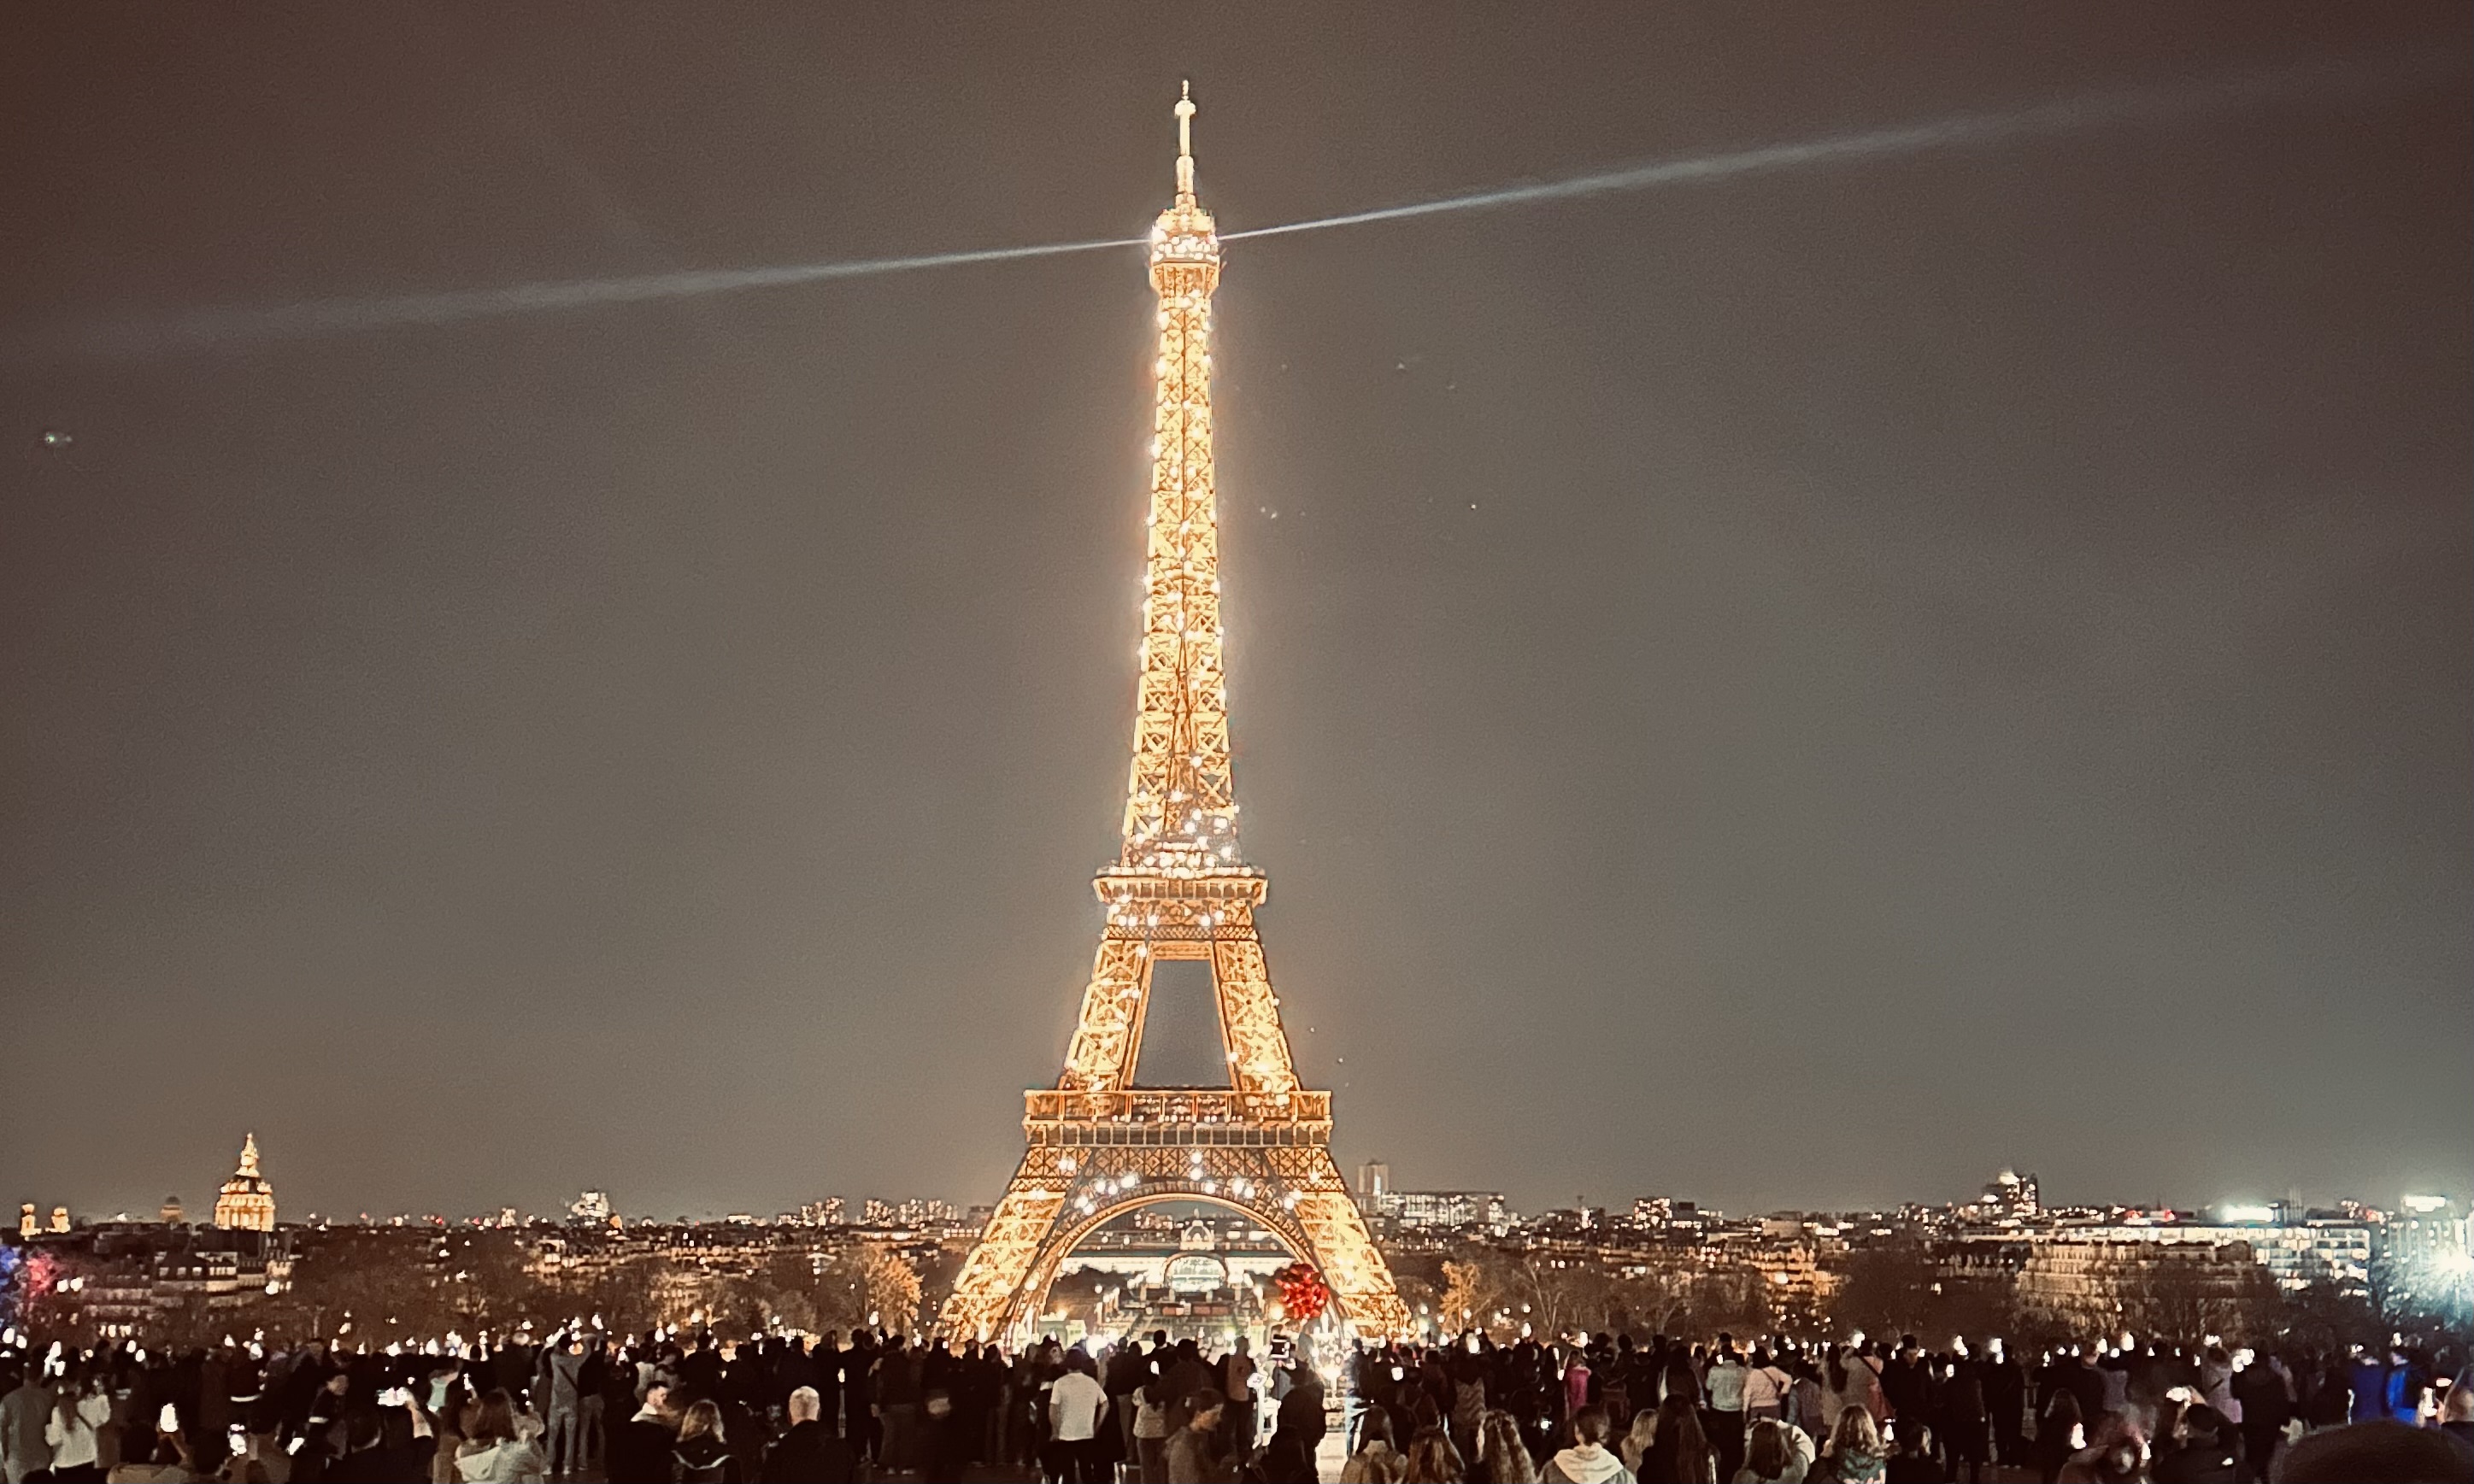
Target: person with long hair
495,1451
1468,1405
702,1454
1680,1379
1637,1439
1777,1453
1433,1460
79,1410
1194,1455
1502,1458
1853,1454
1376,1460
1680,1454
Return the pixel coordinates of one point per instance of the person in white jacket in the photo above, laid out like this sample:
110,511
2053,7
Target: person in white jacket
79,1410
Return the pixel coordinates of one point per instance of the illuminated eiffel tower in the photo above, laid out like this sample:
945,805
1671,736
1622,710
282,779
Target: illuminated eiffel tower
1100,1146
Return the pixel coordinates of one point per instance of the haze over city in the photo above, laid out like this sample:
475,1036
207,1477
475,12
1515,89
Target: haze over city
1793,689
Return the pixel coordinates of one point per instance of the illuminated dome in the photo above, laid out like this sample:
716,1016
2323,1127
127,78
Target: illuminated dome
247,1203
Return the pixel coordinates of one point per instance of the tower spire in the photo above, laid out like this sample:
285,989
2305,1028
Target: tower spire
1185,144
1180,808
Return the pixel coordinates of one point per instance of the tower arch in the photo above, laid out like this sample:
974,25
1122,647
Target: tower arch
1065,1236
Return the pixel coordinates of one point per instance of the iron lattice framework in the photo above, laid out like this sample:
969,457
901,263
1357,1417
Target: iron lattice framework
1100,1146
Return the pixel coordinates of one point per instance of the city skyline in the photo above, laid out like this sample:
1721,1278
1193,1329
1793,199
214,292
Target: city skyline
868,1206
1792,692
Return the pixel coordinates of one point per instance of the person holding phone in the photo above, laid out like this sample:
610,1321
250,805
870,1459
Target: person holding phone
393,1442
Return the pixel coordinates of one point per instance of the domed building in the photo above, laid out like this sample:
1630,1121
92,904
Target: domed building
247,1203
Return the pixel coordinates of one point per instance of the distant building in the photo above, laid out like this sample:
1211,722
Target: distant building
2424,1261
2011,1195
172,1211
1445,1209
1664,1213
134,1275
59,1218
247,1203
2107,1286
592,1208
27,1225
2323,1248
914,1213
2427,1230
1576,1219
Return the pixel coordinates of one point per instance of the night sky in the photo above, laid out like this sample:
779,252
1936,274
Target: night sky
1793,690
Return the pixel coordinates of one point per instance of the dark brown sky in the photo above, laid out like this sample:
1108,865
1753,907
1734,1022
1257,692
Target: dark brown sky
1798,689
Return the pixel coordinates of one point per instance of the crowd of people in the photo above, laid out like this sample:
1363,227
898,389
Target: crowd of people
1880,1412
660,1408
667,1407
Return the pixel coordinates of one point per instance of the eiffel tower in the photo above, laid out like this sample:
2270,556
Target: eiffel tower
1100,1146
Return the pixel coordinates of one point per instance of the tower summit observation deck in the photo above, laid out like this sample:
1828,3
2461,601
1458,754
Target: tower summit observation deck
1180,889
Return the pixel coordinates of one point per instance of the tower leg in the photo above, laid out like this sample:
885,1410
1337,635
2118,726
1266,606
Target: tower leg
1360,1280
1107,1034
990,1283
1249,1017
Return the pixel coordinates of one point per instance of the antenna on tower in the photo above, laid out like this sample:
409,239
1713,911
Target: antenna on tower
1185,142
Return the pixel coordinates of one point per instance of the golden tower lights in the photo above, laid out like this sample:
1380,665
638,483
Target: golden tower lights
1099,1146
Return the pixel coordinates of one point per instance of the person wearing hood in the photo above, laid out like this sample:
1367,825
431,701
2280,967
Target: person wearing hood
1589,1460
701,1456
